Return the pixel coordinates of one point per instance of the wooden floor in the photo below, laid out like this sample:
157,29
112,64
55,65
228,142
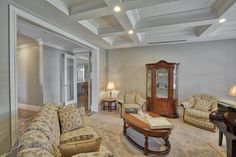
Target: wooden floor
83,102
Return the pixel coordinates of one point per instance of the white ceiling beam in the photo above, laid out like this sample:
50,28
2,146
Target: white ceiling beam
90,14
202,15
107,32
159,37
108,10
123,20
80,50
136,4
177,24
60,4
224,11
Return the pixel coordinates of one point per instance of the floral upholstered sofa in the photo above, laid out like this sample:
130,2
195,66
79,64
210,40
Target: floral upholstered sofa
197,110
59,132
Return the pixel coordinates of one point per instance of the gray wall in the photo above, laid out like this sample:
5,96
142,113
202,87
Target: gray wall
205,67
102,74
28,75
53,74
4,79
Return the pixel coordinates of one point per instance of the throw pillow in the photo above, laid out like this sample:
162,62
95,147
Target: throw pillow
72,148
130,97
191,100
70,119
203,105
77,138
35,139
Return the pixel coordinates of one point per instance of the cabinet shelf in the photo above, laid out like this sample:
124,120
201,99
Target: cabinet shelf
161,88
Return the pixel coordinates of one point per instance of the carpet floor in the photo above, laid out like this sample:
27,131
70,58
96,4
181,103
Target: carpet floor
185,140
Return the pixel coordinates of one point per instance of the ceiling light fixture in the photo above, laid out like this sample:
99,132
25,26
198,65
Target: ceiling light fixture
222,20
131,32
117,9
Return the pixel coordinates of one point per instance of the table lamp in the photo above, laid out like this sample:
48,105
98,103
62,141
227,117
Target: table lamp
232,91
110,87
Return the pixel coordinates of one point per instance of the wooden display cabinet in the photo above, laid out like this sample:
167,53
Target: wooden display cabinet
162,88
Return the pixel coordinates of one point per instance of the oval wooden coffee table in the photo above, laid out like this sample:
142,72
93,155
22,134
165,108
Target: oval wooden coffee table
144,128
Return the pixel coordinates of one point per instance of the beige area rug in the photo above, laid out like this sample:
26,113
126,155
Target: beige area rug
186,140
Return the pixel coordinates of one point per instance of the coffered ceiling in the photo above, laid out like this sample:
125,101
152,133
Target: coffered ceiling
153,21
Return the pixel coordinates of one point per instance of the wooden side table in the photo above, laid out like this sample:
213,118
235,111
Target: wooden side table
107,103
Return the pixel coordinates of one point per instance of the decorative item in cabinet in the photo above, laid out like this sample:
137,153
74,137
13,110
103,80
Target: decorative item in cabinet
162,88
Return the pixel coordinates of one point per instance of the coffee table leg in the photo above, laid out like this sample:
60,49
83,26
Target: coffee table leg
121,110
124,127
146,145
166,141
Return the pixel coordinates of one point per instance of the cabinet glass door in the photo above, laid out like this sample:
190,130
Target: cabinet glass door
149,83
175,85
162,83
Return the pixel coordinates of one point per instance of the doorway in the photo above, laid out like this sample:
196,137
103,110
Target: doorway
84,80
46,70
16,14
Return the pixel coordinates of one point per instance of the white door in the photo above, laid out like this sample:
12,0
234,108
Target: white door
70,79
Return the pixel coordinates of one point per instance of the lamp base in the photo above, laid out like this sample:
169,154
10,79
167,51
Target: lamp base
110,94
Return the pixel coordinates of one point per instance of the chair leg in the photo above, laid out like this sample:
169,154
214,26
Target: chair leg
121,106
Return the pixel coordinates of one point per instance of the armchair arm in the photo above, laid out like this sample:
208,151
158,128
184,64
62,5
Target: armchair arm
187,104
120,98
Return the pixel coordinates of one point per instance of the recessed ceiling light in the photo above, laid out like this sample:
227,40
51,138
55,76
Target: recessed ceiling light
222,20
131,32
117,9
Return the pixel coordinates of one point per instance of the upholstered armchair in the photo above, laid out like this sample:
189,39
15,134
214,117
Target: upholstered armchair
197,110
130,100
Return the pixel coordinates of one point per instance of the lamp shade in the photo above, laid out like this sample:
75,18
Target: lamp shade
232,91
110,86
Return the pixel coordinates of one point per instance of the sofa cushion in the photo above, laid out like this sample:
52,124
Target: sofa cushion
42,127
50,118
129,97
70,119
82,132
34,152
36,139
205,97
78,138
198,113
191,100
203,105
197,97
72,148
199,122
131,105
103,152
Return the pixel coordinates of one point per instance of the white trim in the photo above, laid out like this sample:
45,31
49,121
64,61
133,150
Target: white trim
40,43
89,26
27,45
13,13
54,34
13,77
95,85
52,27
74,100
60,5
80,50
